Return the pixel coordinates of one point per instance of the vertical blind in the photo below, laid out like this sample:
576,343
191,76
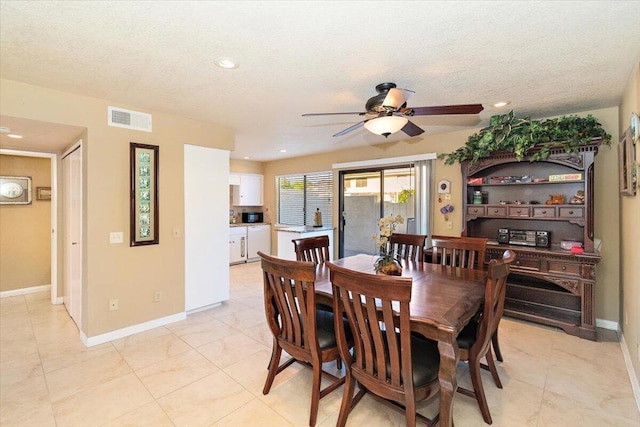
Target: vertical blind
298,197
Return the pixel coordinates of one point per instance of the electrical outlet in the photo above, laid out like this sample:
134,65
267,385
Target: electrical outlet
157,296
449,225
626,318
113,304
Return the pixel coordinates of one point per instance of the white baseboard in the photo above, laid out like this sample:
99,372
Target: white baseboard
206,307
635,386
24,291
607,324
130,330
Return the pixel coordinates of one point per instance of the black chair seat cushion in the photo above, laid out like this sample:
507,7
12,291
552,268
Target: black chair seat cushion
326,329
425,359
468,334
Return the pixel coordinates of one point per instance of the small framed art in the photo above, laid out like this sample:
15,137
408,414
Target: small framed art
144,194
627,163
43,193
15,190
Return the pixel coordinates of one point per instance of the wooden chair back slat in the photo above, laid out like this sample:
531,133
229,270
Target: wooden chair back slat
312,249
408,246
463,252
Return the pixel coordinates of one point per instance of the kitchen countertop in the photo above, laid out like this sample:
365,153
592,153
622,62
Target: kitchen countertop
243,224
305,229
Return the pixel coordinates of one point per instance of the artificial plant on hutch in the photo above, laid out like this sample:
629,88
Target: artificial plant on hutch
528,138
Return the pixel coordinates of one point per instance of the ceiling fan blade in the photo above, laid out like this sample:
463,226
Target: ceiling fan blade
411,129
443,109
360,113
396,98
350,128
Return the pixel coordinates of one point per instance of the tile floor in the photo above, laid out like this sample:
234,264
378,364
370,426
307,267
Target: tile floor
209,369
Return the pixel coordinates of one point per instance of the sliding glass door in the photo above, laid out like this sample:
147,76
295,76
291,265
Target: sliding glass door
368,195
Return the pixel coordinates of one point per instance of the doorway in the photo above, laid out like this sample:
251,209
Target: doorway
366,196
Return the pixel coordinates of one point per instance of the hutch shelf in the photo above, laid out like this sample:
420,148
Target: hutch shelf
540,210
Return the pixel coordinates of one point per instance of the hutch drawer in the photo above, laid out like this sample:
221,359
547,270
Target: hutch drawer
475,210
545,212
530,264
564,268
518,211
571,212
496,211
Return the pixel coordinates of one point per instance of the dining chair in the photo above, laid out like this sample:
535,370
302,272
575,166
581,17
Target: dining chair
298,326
475,339
312,249
464,252
316,250
408,246
508,258
386,360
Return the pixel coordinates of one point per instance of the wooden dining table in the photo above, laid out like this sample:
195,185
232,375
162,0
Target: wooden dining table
443,300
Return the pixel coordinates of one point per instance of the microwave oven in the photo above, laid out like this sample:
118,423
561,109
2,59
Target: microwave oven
252,217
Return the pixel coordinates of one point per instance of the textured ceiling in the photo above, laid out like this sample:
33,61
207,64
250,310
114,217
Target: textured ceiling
548,58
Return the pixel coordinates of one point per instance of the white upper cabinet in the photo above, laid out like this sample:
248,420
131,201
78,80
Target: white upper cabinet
249,191
234,179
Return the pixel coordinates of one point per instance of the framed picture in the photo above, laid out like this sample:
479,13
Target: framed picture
15,190
627,164
144,194
43,193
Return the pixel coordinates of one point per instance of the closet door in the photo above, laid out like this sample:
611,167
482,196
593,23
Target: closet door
72,213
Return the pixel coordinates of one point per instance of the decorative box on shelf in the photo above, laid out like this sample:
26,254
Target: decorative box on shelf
565,177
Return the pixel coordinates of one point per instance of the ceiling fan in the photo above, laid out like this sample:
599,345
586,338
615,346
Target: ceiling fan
388,112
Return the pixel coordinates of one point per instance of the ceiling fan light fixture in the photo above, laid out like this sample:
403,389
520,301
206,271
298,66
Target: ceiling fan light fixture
226,62
386,125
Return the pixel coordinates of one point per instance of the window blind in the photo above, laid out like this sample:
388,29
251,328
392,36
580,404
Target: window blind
300,195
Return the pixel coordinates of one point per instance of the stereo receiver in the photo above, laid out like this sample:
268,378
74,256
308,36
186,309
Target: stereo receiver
524,237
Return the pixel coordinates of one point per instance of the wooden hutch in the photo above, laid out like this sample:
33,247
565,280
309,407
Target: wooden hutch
547,284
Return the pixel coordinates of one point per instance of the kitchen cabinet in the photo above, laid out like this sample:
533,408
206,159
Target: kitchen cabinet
237,244
249,191
548,284
234,179
245,242
258,239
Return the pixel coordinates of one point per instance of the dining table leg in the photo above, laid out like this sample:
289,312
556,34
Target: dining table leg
449,356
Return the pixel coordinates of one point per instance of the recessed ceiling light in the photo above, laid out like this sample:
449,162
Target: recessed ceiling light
226,63
4,129
501,104
283,150
246,157
14,136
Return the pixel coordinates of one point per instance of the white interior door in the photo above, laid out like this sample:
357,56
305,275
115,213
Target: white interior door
72,213
206,226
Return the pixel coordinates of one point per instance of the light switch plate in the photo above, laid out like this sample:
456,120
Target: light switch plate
116,237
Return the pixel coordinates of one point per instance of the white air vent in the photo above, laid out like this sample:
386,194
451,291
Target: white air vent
128,119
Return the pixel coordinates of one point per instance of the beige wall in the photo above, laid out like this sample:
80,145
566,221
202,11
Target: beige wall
130,274
25,230
630,237
607,293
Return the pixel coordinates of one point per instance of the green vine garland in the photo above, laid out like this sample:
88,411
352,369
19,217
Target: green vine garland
522,135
